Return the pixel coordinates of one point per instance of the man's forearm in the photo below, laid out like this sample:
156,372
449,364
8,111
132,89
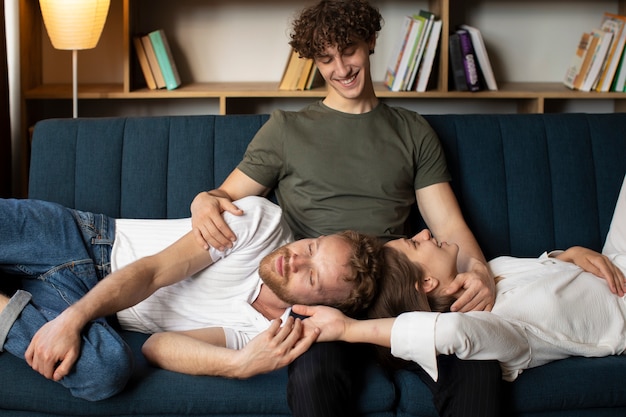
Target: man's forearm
122,289
185,354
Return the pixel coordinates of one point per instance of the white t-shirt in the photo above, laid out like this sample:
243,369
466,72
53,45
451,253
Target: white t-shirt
545,310
220,295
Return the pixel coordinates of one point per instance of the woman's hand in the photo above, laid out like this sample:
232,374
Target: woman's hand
598,264
329,322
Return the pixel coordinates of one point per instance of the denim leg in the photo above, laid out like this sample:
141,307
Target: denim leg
105,363
64,253
36,236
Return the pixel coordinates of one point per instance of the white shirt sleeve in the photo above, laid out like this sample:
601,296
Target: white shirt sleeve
477,335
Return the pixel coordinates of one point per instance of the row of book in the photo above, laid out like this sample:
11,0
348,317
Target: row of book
300,74
411,63
599,61
156,61
470,66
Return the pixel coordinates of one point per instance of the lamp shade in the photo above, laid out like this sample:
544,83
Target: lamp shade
74,24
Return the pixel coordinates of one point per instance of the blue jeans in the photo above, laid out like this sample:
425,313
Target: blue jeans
60,254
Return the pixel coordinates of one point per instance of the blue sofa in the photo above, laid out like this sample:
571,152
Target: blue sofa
526,183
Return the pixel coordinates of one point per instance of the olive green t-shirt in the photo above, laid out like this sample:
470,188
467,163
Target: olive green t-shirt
334,171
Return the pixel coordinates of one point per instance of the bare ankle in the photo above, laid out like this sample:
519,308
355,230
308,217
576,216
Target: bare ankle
4,300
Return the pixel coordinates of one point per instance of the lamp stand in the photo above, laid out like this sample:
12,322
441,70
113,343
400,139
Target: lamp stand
75,83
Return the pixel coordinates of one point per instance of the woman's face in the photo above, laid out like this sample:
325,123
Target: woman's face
437,259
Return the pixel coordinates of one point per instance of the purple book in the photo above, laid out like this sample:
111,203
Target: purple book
470,63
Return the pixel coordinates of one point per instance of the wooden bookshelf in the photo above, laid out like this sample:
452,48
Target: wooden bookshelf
528,97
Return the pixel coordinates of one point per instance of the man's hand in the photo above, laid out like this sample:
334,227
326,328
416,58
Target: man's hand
209,227
598,264
274,348
479,286
54,348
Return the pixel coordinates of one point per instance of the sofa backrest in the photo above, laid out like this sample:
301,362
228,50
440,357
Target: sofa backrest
526,183
137,167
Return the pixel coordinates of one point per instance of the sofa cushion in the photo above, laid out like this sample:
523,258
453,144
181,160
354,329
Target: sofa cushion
593,384
151,392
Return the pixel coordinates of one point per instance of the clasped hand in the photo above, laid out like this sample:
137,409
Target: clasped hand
54,349
274,348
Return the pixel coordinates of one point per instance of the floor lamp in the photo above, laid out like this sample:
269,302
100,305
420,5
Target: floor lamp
74,25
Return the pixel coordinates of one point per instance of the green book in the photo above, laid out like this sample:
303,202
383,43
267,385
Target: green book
166,61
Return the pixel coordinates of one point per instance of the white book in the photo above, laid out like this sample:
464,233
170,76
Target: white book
396,57
591,79
615,24
408,54
481,54
429,57
414,66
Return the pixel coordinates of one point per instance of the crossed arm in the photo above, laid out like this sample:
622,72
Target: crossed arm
56,346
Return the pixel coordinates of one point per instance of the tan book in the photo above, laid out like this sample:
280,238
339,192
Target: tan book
616,24
307,67
154,62
292,73
143,63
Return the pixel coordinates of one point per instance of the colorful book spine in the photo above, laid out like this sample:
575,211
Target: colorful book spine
166,61
396,57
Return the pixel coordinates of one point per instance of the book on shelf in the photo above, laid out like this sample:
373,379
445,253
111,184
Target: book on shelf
425,70
396,56
416,62
579,65
597,59
303,80
410,52
457,69
470,64
143,63
616,24
315,79
153,61
483,58
288,80
619,83
164,56
297,72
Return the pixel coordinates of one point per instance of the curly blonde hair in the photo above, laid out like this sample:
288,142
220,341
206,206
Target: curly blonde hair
338,23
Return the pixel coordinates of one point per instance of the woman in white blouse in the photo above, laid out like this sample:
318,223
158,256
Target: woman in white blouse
568,303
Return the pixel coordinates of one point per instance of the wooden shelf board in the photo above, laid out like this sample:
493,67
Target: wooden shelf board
270,90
